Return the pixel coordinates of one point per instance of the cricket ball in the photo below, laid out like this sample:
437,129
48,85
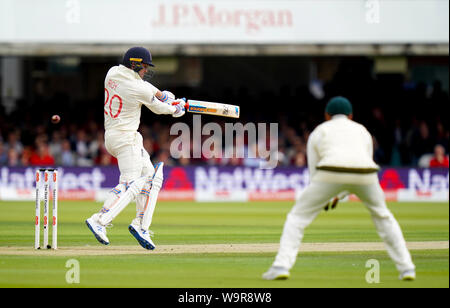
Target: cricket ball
55,119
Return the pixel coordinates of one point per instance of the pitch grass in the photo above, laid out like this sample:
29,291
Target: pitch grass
194,223
313,270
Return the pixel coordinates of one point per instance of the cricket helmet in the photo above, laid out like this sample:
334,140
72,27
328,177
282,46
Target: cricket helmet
339,105
135,57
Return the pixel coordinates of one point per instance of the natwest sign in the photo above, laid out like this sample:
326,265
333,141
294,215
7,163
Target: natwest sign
250,179
192,14
213,183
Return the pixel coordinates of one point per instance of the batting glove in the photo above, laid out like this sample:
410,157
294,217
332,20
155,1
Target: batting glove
179,108
168,97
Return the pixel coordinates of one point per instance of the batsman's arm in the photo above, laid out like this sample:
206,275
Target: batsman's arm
146,94
167,97
164,96
149,96
157,106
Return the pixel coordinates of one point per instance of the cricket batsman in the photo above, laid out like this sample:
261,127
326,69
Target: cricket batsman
127,89
340,161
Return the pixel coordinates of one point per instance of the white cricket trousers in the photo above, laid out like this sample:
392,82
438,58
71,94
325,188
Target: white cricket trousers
134,163
133,159
312,202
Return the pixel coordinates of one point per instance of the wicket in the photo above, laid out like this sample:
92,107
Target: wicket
49,175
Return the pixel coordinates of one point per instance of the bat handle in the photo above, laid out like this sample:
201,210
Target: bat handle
186,104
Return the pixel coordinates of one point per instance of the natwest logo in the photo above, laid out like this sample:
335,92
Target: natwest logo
250,179
221,15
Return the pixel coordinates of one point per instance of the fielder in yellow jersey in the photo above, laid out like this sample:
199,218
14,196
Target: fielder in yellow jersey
340,161
127,89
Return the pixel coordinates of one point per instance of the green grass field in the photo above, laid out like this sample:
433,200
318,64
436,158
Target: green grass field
183,223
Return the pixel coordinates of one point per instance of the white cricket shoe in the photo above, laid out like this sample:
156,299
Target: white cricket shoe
98,230
142,236
276,273
407,275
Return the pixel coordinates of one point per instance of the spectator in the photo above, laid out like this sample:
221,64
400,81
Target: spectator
148,146
378,127
42,157
3,154
234,154
98,150
253,158
67,156
97,146
439,159
164,157
55,147
281,156
184,161
397,155
13,158
235,161
442,135
106,159
423,144
300,159
82,149
14,142
298,145
26,155
378,153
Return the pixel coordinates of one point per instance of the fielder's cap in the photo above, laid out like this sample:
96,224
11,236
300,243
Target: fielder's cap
137,54
339,105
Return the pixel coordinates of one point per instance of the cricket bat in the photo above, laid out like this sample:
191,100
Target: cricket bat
218,109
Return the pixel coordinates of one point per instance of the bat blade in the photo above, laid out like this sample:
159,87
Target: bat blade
218,109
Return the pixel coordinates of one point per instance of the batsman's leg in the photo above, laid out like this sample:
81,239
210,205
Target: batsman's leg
386,225
150,204
113,197
308,206
96,222
149,197
147,170
133,190
129,157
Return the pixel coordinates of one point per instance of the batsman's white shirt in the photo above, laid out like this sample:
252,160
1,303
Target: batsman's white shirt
340,160
125,94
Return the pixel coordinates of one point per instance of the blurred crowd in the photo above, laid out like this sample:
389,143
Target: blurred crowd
66,146
69,144
408,123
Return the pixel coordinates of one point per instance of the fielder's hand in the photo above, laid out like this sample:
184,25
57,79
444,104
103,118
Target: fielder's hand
332,204
179,105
